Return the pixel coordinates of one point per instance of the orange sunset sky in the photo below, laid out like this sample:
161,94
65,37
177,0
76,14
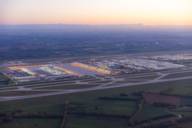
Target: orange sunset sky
148,12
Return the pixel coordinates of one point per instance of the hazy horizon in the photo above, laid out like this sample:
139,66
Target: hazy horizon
91,12
139,25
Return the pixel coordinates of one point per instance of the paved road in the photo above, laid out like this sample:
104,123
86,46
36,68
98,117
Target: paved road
12,98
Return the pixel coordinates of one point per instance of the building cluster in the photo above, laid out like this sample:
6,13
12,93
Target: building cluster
21,71
135,64
175,57
27,72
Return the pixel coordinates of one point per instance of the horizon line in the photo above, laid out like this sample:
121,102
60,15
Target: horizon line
66,24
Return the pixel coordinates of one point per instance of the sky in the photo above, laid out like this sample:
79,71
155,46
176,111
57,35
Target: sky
148,12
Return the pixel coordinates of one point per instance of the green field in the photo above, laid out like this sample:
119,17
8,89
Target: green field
87,110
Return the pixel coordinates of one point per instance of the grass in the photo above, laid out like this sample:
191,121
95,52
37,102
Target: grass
185,125
176,75
149,112
70,86
115,108
90,99
95,122
32,123
21,93
182,87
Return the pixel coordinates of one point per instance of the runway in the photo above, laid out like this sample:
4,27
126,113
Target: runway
63,92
